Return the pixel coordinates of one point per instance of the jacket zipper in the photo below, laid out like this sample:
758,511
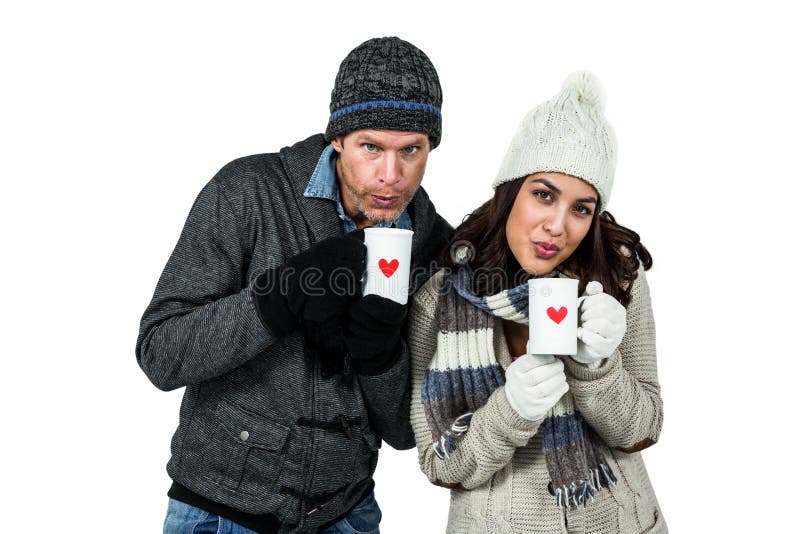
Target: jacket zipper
312,449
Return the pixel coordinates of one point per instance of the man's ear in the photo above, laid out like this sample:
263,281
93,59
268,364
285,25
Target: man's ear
337,143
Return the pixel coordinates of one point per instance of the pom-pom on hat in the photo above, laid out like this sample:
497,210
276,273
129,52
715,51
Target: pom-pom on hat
567,134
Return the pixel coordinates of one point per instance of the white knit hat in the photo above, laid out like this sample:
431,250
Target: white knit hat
566,134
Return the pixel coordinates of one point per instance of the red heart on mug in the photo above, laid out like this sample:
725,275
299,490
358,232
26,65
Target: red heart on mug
557,316
388,267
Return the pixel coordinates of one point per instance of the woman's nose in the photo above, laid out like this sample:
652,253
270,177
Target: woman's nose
555,224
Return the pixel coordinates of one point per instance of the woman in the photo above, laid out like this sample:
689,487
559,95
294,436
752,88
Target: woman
541,443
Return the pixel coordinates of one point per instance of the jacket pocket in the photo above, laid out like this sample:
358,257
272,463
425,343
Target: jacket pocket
253,445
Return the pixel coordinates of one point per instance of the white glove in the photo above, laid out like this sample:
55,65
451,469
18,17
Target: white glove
602,324
534,384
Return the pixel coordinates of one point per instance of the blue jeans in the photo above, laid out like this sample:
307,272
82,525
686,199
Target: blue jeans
186,519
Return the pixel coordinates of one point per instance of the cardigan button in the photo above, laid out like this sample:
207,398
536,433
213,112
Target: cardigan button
245,435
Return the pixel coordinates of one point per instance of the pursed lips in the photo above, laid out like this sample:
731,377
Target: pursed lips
547,245
545,249
385,201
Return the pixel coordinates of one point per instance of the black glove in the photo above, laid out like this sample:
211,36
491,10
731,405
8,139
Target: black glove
325,343
372,334
316,285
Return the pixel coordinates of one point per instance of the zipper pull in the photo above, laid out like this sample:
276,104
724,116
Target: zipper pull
346,427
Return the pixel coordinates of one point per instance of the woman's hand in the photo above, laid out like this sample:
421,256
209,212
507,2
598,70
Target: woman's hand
602,325
534,384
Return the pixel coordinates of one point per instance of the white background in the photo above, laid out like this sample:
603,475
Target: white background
114,115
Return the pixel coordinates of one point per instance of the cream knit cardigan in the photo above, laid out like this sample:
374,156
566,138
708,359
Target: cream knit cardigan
497,475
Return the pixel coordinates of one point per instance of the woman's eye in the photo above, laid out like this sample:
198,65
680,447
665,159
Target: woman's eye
369,147
544,195
583,210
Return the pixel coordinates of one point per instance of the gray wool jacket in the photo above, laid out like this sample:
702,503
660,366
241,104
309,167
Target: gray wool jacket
260,429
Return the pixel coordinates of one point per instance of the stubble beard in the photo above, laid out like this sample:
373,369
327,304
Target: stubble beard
374,216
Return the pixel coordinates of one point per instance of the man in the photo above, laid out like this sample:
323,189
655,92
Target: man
292,378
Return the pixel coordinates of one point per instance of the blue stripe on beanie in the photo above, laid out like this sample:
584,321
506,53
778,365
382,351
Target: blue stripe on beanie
385,104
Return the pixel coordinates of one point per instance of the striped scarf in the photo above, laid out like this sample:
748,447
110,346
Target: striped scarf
464,372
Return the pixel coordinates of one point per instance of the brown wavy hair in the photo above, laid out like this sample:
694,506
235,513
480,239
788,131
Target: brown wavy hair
610,253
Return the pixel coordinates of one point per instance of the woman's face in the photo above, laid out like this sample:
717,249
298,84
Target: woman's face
550,217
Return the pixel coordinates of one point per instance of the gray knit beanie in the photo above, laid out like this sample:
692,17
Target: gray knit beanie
386,84
567,134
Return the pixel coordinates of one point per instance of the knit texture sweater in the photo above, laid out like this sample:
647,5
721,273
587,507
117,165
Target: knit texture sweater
498,476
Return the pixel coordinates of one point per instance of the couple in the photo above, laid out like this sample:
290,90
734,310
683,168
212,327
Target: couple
292,386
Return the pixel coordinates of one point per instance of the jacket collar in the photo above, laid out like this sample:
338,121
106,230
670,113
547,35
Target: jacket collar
320,215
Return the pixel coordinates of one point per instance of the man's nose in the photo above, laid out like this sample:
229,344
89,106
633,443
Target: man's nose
391,172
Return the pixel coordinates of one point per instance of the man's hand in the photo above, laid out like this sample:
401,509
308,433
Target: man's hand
373,333
367,338
316,285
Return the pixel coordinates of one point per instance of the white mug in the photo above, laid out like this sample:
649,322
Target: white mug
388,263
553,314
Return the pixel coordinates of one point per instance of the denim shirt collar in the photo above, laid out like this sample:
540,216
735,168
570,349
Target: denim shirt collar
323,184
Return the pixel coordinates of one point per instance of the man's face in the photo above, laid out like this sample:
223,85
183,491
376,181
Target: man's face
378,172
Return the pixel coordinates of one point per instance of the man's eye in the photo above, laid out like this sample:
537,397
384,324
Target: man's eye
410,150
369,147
